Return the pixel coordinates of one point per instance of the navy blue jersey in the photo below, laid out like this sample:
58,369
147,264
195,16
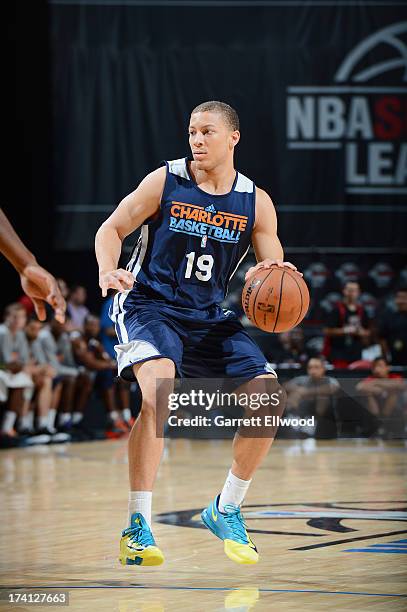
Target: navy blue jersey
189,251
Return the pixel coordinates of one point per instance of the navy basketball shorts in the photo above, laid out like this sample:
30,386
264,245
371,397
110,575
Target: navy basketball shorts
208,343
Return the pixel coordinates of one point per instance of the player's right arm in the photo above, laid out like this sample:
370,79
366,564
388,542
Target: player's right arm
132,211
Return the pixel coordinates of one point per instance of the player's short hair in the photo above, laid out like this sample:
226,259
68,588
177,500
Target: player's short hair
214,106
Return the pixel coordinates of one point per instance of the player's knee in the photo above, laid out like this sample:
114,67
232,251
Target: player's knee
154,369
156,380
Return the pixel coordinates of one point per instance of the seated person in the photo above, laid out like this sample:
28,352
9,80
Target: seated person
292,348
56,345
312,394
15,381
393,330
347,328
90,353
384,391
45,381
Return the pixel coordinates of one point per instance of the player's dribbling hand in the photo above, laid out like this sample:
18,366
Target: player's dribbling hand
120,279
267,263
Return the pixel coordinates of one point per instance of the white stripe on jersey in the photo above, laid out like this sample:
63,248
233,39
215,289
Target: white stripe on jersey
142,252
178,167
238,263
244,184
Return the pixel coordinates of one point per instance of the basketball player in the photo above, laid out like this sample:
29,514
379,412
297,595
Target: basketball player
36,282
198,217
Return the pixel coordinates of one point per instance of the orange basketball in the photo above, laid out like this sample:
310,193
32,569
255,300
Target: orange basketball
276,299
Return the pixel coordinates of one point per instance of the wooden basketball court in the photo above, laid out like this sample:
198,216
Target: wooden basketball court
328,519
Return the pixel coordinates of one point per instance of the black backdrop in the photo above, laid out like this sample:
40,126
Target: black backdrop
104,90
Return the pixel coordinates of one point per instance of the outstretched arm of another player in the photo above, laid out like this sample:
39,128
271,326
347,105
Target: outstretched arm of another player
132,211
266,244
36,282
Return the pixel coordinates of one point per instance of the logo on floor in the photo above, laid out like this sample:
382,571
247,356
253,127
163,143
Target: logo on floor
332,521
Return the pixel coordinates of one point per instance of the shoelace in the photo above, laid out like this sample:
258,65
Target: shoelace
235,521
138,535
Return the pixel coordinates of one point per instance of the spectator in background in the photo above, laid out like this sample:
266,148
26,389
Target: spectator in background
56,344
28,304
15,382
292,349
89,352
77,382
393,330
44,377
384,391
346,331
312,395
76,308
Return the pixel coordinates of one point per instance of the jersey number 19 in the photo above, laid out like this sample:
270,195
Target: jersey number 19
204,263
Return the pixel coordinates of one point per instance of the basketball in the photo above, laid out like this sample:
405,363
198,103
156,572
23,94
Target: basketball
275,299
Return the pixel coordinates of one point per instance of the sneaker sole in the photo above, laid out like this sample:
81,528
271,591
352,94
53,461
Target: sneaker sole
149,561
232,556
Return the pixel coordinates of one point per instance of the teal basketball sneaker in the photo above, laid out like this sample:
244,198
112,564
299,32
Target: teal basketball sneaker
137,544
230,527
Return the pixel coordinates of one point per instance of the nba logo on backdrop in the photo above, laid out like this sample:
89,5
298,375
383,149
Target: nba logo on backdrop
363,115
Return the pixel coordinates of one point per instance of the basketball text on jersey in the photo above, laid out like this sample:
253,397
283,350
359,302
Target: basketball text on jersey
199,221
189,251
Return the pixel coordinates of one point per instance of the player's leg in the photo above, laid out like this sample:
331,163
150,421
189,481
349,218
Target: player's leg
150,344
250,445
146,443
250,450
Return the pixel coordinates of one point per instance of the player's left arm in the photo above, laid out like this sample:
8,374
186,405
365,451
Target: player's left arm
266,244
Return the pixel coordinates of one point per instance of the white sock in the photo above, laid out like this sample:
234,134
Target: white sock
64,418
114,415
27,420
76,417
126,413
8,421
233,491
140,501
42,422
51,418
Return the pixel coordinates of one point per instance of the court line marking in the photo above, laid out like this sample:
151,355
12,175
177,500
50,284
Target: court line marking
393,551
346,540
190,588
